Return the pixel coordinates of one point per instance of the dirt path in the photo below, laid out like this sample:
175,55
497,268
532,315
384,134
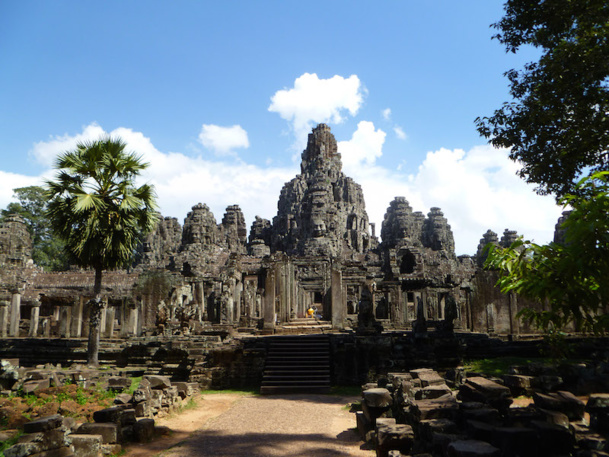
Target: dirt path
232,425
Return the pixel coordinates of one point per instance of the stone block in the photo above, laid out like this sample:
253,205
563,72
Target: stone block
486,414
416,373
372,412
431,378
564,402
119,414
87,445
364,425
109,431
444,407
143,409
516,441
143,430
553,439
472,448
428,427
111,449
43,424
122,399
484,390
431,391
33,386
555,417
377,398
394,437
61,452
518,384
598,407
480,431
158,382
119,383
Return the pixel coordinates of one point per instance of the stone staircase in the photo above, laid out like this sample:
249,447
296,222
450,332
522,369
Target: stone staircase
297,364
304,325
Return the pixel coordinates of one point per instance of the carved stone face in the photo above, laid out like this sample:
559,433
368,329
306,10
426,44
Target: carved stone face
319,228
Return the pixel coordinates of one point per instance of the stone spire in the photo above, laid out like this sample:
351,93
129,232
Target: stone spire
481,254
437,234
402,225
321,211
234,229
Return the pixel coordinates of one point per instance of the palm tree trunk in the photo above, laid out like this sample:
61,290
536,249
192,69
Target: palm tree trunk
94,320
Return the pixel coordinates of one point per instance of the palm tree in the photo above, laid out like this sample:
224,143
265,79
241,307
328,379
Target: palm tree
96,208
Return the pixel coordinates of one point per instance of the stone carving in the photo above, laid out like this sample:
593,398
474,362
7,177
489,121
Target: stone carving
559,231
234,229
205,273
482,253
260,237
15,242
321,212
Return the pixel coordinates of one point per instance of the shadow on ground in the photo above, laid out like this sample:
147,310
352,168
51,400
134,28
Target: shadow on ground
212,443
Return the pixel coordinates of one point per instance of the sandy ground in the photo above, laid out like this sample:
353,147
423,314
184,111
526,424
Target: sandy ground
231,425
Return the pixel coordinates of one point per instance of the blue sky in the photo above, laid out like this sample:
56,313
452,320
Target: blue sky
219,96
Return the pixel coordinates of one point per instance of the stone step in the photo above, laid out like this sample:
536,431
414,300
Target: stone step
297,364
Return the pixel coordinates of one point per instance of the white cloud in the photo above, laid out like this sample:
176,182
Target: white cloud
313,100
387,114
180,181
476,190
363,148
10,181
45,152
222,140
399,132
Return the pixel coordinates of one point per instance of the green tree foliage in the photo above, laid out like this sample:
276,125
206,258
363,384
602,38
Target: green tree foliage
570,278
558,124
99,212
47,249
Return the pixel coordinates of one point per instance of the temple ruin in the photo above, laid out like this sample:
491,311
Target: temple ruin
319,252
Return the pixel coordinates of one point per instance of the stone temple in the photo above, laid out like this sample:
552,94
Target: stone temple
319,252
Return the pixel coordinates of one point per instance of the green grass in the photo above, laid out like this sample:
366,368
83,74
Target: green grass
346,391
499,365
4,445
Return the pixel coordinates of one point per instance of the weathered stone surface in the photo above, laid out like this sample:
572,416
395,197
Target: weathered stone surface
158,382
43,424
109,431
487,391
86,445
118,383
516,441
321,211
553,439
394,437
377,397
233,229
564,402
444,407
143,430
431,378
472,448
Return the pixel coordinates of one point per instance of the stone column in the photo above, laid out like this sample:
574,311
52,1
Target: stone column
15,314
132,320
76,329
34,319
268,312
108,330
338,305
4,318
103,317
65,323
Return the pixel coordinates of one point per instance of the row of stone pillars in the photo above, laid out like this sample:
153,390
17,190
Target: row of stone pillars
70,319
